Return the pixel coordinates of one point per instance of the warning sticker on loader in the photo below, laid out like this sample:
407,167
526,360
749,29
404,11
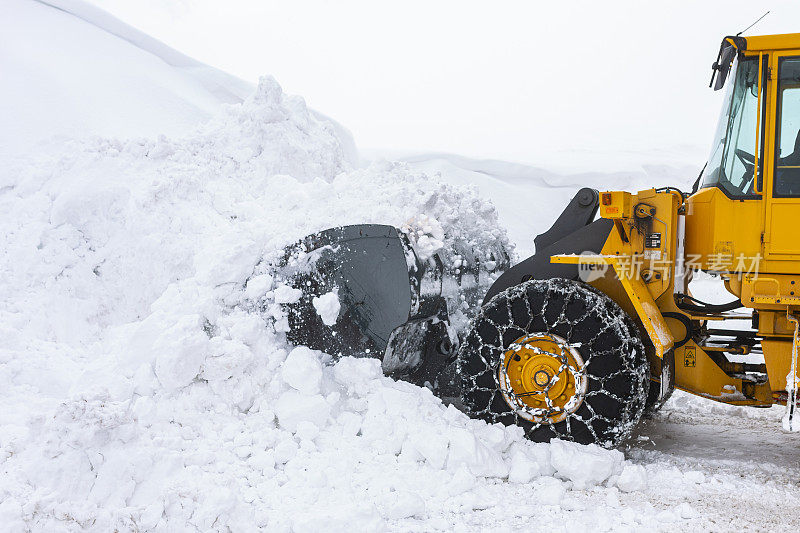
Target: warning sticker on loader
689,357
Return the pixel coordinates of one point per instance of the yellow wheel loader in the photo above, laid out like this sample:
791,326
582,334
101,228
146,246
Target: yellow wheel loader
599,326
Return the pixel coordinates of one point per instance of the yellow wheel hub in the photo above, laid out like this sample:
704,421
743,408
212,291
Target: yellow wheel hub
542,378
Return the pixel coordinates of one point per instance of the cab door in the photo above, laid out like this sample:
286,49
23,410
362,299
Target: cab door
782,159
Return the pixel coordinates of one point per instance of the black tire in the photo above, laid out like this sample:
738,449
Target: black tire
655,401
610,345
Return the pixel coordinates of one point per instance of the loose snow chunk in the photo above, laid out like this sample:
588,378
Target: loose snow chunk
307,430
427,235
585,466
632,478
285,451
327,307
287,295
549,491
684,510
694,476
430,443
523,468
180,352
302,370
404,504
257,286
351,517
227,358
294,407
355,373
151,515
481,460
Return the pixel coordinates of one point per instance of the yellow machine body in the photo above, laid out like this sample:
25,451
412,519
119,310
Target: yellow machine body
742,225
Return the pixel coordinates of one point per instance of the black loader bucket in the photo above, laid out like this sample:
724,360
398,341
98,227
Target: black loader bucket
391,305
374,274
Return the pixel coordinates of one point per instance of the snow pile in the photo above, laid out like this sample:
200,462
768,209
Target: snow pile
146,380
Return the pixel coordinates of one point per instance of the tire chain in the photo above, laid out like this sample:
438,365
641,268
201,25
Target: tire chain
634,363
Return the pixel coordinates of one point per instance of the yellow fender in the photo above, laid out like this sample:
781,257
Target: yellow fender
637,292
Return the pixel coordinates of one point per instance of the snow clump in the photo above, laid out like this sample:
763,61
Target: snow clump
426,235
327,307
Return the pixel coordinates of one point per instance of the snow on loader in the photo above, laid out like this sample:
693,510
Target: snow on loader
597,327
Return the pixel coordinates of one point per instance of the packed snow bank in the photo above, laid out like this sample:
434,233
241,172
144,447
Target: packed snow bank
225,87
65,77
147,382
73,70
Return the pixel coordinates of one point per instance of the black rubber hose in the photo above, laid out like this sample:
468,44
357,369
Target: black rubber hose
668,189
687,323
703,307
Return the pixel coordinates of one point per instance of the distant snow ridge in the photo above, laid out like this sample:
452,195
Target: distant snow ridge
145,379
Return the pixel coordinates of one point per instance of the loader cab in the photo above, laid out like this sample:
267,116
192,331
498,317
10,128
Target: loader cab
746,212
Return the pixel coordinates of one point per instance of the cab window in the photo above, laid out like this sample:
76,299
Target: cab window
787,134
732,162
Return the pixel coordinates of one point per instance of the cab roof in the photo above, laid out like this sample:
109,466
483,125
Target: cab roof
764,43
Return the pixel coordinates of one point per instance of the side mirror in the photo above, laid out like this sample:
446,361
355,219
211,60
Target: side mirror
722,66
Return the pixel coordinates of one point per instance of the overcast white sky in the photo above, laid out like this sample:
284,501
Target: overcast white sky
517,80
